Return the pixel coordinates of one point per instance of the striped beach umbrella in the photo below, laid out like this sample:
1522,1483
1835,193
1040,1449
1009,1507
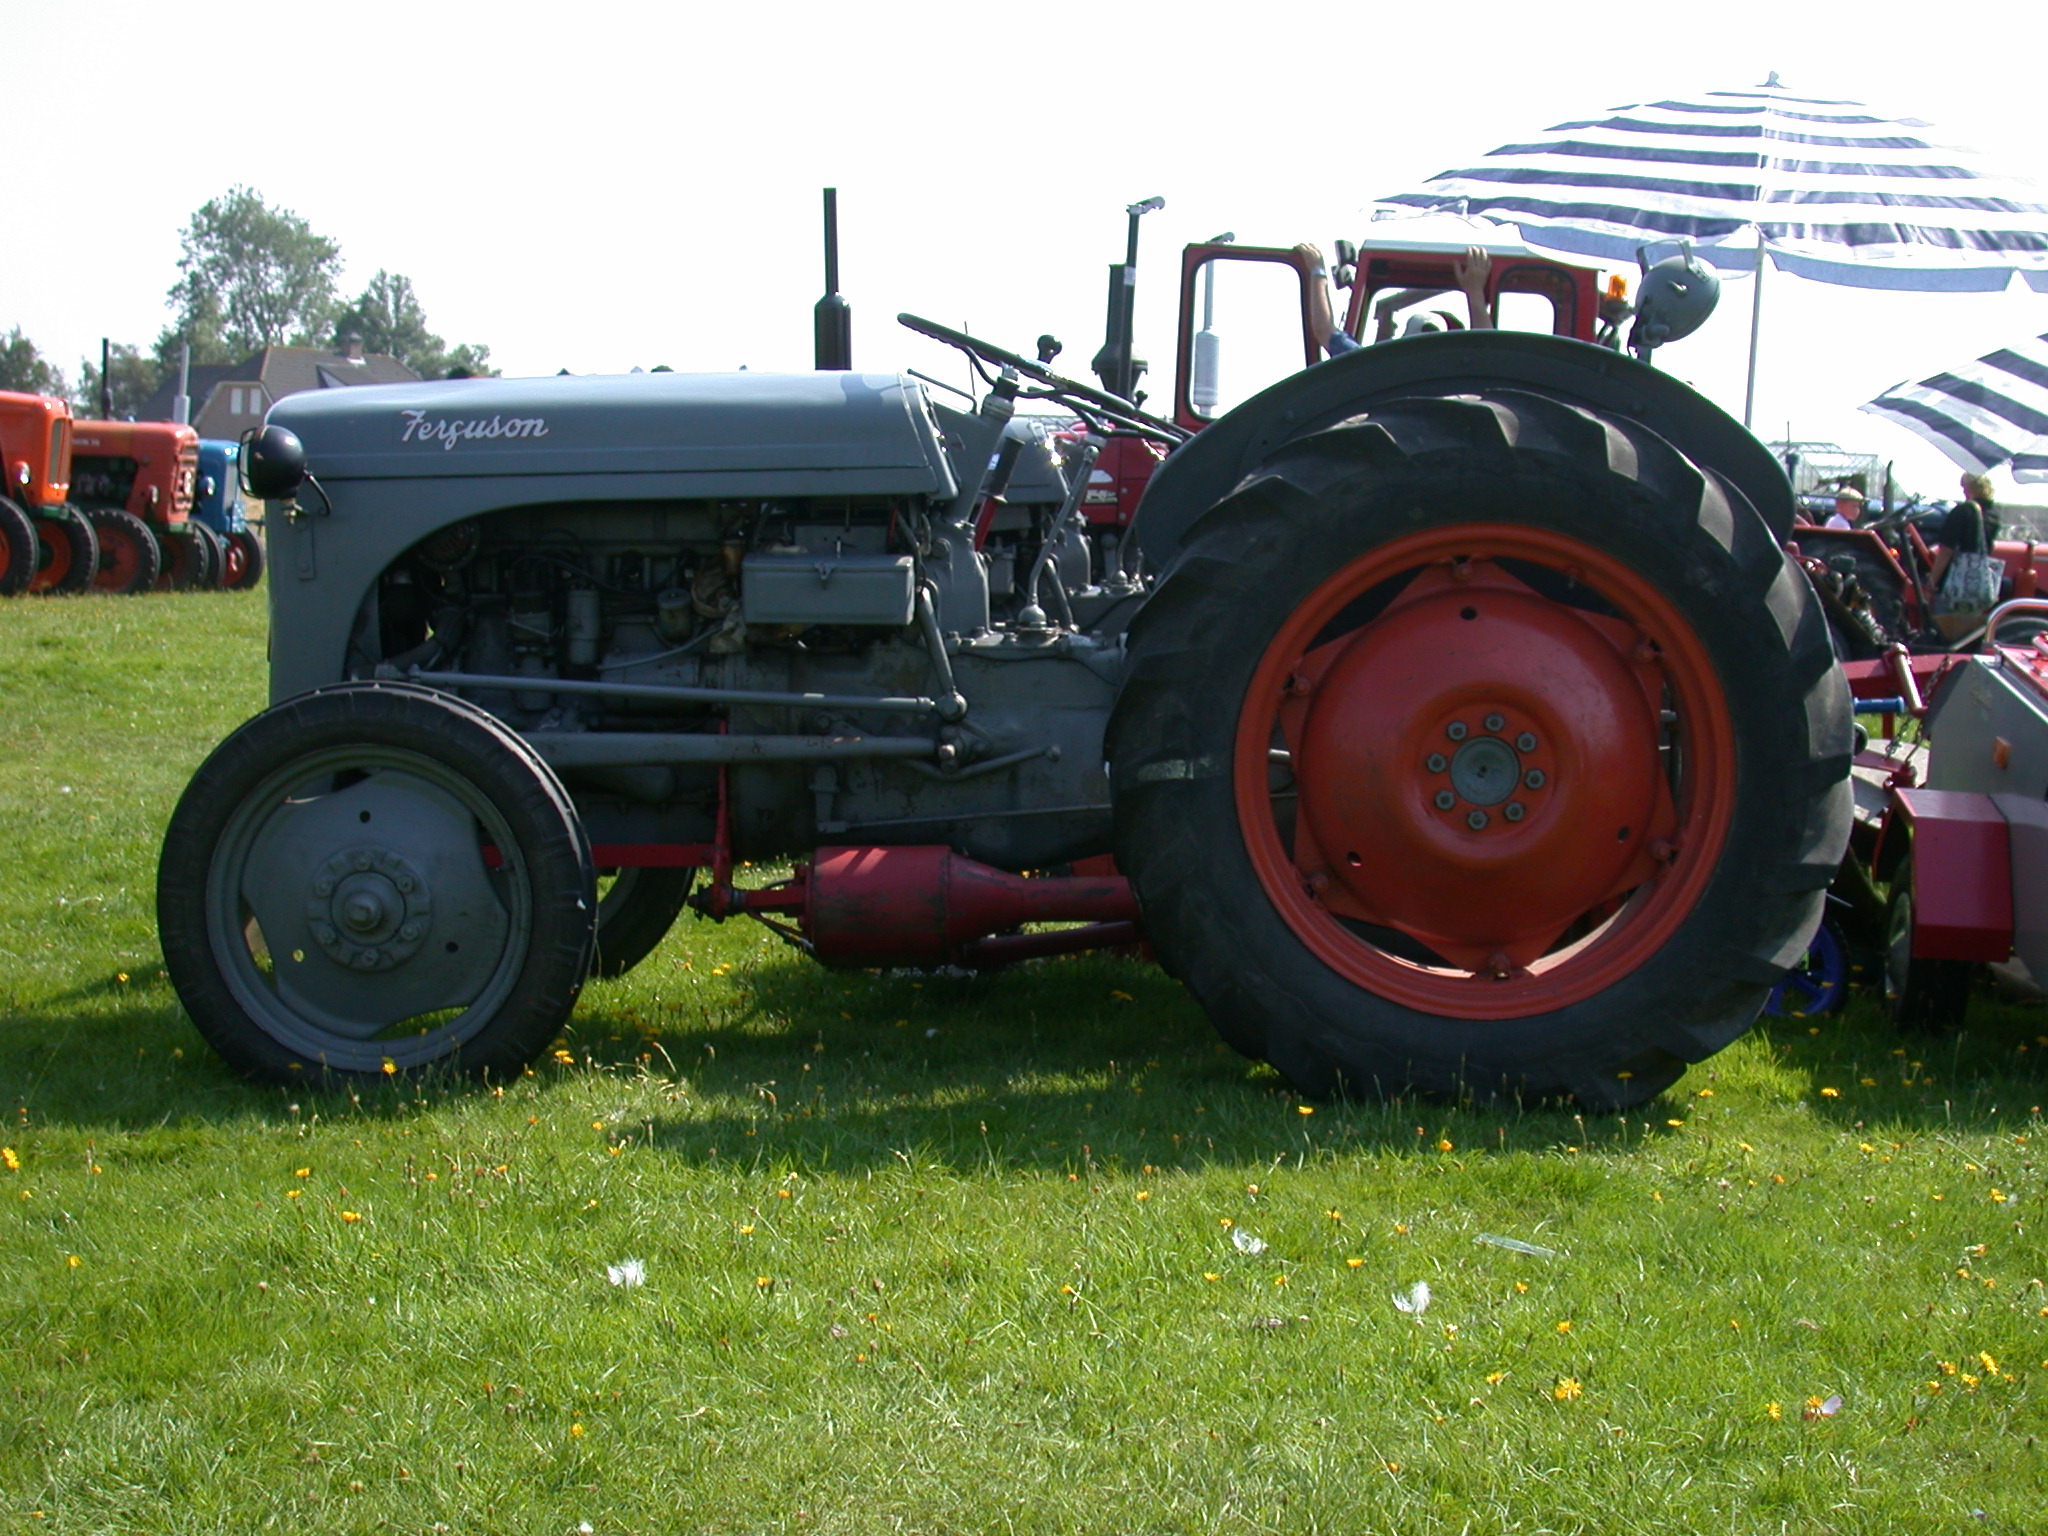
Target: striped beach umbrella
1990,412
1835,191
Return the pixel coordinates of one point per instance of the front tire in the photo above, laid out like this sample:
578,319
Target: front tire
67,554
242,560
374,878
17,549
1923,997
130,559
192,559
1481,745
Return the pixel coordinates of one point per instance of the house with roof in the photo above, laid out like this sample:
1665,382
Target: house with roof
230,398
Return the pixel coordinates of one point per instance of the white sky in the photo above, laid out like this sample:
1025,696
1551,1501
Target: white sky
611,184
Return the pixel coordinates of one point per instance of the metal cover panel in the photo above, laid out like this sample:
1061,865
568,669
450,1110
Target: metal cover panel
1962,876
877,425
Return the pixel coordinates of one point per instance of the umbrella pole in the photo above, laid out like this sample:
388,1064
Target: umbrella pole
1756,315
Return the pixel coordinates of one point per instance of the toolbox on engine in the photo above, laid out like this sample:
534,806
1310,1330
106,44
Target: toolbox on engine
827,588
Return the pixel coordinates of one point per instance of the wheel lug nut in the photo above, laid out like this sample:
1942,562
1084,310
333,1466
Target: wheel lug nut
323,887
1476,821
411,931
1455,730
362,861
1526,742
1445,799
1495,722
1512,810
1435,762
1534,778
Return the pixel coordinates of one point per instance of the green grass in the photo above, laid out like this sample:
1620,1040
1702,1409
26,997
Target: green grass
928,1255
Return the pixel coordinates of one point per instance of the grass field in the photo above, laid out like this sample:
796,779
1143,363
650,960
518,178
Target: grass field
936,1255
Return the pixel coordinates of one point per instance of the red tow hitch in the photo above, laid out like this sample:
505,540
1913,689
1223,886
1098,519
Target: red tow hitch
928,907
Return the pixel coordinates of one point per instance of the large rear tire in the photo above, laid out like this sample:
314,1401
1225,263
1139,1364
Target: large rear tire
17,549
129,557
1481,745
375,878
67,553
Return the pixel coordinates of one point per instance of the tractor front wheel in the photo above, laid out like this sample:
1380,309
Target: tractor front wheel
1922,996
67,554
242,560
375,879
192,559
129,557
1481,745
17,549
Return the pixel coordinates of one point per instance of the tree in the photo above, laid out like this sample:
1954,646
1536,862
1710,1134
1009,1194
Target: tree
22,367
253,277
389,318
133,376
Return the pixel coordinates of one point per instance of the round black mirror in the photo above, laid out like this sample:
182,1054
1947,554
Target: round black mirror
273,464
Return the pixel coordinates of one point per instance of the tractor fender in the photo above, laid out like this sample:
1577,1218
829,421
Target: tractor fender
1206,468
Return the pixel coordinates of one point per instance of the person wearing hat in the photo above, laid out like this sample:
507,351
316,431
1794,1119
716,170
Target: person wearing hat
1848,507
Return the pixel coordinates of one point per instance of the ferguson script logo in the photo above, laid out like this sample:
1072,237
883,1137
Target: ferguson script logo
449,430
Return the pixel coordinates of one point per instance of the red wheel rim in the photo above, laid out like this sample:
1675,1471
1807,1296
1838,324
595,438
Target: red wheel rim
1494,803
120,560
53,561
234,561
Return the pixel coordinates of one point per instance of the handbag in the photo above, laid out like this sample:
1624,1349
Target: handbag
1971,584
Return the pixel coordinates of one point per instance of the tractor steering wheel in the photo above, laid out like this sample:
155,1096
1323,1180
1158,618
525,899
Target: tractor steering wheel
1069,392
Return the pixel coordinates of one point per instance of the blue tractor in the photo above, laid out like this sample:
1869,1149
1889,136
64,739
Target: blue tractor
217,502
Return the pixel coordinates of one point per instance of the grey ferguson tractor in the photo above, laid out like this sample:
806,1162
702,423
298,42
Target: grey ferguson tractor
1454,718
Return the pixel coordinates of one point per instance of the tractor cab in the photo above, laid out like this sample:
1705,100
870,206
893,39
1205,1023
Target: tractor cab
1246,311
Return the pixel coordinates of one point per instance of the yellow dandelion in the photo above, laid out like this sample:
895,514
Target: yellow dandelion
1864,1146
11,1158
1566,1389
1279,1279
71,1261
783,1194
1333,1215
1067,1290
1120,995
1495,1378
1773,1411
1704,1093
1831,1093
1353,1263
1779,1178
1868,1082
1990,1365
1225,1221
1443,1144
1565,1326
747,1229
1521,1287
576,1431
1745,1146
291,1194
1400,1229
565,1058
1304,1109
1674,1124
1946,1367
390,1067
302,1173
1999,1195
1211,1276
351,1216
763,1282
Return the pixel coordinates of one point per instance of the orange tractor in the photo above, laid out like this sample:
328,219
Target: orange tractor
46,544
136,480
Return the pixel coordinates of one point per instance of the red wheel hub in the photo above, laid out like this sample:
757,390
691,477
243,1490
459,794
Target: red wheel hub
1528,793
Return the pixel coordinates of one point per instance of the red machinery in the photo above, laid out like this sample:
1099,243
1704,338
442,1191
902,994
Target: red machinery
136,480
1957,828
46,544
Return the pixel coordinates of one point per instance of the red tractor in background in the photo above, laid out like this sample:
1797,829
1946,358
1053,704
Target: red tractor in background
46,544
136,481
1525,291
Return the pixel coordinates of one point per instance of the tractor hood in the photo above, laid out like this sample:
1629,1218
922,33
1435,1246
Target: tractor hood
765,433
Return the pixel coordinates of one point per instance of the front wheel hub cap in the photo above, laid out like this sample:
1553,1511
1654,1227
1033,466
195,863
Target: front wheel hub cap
368,909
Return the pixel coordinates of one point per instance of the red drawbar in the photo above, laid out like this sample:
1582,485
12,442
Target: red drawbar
1962,874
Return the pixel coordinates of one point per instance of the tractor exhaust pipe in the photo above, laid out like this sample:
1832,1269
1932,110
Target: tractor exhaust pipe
1114,364
832,320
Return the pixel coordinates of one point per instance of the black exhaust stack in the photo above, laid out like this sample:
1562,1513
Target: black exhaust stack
1114,364
832,320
